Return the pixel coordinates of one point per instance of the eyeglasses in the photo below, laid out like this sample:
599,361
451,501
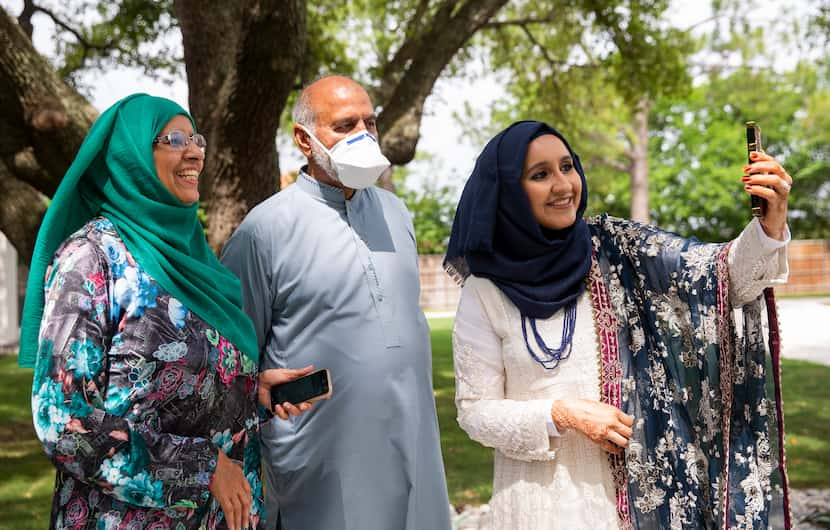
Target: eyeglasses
179,140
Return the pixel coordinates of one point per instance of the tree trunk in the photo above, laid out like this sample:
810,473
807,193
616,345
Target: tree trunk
639,164
242,61
43,123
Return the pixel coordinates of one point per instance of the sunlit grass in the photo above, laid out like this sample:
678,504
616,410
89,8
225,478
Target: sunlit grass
468,465
26,475
806,389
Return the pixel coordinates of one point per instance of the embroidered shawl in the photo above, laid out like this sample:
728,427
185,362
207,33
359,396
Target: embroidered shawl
707,449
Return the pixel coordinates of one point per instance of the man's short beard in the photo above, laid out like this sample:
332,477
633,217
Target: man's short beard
323,161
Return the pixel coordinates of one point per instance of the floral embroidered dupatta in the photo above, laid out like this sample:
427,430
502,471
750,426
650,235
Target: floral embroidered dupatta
707,450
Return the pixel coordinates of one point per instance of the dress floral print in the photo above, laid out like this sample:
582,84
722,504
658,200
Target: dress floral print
133,396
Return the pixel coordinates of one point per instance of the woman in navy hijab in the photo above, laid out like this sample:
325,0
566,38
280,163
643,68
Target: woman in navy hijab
599,356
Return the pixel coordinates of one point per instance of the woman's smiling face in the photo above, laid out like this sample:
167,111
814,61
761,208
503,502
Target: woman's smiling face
179,169
552,183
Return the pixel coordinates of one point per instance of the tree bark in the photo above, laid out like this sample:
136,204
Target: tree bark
21,213
43,123
242,61
639,164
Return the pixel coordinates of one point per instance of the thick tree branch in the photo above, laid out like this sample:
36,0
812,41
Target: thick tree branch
21,211
42,125
394,68
420,11
443,36
42,115
24,19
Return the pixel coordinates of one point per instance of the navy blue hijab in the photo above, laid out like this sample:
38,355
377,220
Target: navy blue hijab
495,236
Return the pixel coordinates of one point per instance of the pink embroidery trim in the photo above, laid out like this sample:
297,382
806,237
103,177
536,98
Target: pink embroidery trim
610,374
726,376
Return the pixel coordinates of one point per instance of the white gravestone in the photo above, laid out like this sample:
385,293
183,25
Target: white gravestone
9,327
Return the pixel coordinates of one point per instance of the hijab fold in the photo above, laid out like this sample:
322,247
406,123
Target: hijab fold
114,175
495,236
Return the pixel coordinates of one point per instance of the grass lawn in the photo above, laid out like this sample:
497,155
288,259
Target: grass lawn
27,476
469,465
806,389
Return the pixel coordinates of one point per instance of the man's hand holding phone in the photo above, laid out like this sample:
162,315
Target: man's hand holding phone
273,380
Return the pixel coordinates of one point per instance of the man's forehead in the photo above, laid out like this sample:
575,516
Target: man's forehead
330,94
336,110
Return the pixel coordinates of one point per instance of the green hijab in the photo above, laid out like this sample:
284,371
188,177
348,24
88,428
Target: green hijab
114,175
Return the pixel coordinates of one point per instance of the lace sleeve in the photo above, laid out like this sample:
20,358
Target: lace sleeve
756,261
516,428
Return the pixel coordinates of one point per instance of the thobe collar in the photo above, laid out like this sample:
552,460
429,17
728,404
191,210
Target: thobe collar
331,195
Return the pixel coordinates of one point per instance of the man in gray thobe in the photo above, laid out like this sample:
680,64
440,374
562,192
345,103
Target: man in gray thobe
330,278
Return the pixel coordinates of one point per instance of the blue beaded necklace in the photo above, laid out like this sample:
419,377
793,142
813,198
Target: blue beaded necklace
552,356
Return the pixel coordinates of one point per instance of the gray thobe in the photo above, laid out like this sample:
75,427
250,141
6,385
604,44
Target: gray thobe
334,283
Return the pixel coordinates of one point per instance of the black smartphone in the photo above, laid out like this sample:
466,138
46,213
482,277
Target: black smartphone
753,143
311,387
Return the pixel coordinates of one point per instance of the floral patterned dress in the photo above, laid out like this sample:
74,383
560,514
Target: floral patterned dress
134,395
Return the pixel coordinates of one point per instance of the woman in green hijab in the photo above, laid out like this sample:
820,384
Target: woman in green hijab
145,384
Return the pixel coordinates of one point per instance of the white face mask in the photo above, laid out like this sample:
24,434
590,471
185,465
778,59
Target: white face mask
357,159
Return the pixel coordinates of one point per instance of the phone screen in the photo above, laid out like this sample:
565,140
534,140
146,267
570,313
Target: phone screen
302,389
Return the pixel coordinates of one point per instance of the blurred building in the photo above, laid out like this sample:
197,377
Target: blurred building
809,268
9,326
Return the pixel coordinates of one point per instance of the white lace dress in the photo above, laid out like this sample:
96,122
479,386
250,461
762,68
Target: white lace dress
503,397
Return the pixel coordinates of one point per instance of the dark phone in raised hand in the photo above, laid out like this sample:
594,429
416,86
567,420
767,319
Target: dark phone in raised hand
753,143
311,387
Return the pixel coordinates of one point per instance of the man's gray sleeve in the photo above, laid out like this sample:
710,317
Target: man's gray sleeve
248,259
